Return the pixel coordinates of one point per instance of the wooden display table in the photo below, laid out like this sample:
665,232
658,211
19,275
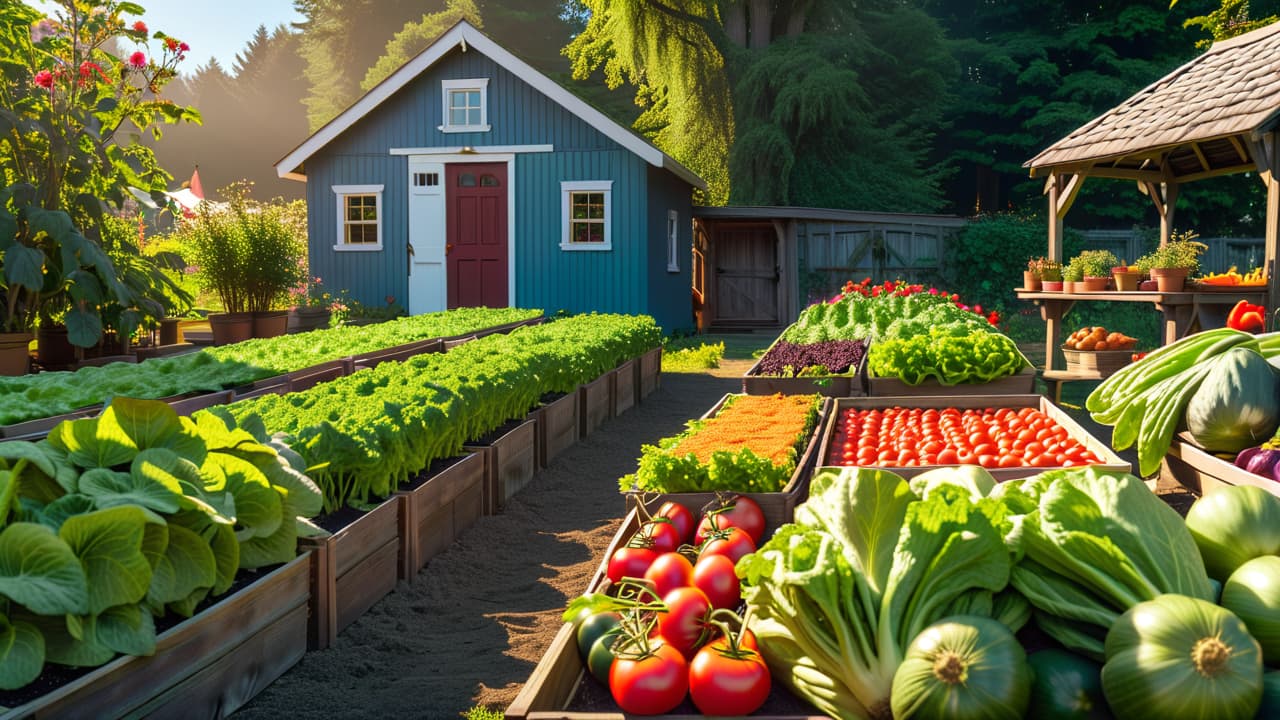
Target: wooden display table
1182,312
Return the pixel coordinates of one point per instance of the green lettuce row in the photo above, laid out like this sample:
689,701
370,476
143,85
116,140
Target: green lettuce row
878,318
47,394
117,519
366,434
973,358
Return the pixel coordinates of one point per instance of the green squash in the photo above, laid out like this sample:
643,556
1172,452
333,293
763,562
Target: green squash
1233,525
1253,594
965,667
1235,407
1066,686
1181,658
1270,696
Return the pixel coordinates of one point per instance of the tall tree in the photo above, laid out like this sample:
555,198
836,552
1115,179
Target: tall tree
416,36
780,101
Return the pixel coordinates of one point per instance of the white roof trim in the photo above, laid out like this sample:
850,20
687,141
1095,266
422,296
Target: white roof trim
465,35
457,149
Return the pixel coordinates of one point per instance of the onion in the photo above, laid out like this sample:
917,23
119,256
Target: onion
1234,525
1253,593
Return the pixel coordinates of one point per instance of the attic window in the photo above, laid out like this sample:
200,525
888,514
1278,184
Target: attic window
465,105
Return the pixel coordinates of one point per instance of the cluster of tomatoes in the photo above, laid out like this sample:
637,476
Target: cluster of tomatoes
990,437
667,627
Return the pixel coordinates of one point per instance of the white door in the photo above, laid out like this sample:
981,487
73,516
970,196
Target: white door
428,279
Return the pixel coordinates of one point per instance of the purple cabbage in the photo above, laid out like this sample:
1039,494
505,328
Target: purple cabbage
790,359
1260,461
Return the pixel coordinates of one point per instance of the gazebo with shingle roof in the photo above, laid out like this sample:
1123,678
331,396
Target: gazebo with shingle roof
1216,115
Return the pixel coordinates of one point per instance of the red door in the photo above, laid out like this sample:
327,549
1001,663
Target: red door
476,232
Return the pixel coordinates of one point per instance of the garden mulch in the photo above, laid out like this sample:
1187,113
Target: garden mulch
473,624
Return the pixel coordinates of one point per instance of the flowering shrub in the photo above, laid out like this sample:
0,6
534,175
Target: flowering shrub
309,292
900,288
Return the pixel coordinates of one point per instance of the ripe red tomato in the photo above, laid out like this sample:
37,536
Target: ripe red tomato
661,535
680,516
725,684
745,513
669,571
684,624
731,542
630,562
708,523
714,575
650,684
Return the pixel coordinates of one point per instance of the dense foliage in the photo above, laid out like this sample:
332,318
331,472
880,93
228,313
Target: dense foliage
53,393
118,519
370,432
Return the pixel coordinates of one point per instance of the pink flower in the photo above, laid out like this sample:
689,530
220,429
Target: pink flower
44,79
140,27
183,47
138,60
43,29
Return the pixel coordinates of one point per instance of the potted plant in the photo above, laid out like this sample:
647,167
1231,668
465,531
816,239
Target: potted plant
1072,273
1170,263
1126,277
218,250
1050,275
1031,277
1096,266
312,305
276,253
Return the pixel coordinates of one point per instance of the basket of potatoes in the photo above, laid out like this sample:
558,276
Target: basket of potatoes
1094,349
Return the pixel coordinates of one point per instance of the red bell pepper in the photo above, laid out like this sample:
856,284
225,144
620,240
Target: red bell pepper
1247,317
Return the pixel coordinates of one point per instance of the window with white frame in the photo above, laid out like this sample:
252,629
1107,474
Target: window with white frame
585,215
466,105
359,217
673,241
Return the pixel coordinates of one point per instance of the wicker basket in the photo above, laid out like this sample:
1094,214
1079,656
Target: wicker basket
1100,361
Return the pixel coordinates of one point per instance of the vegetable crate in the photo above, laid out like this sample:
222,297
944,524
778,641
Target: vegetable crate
853,384
561,689
775,505
1103,362
439,509
219,658
352,569
1202,472
1111,461
510,459
1021,384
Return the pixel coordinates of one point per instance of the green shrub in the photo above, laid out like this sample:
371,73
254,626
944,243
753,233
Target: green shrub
693,359
985,260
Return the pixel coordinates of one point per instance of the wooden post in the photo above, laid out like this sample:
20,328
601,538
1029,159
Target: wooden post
1169,191
1055,220
1272,145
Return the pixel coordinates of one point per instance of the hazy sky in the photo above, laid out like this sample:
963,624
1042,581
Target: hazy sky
213,28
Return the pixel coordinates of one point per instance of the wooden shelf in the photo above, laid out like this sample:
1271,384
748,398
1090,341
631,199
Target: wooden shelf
1214,297
1069,375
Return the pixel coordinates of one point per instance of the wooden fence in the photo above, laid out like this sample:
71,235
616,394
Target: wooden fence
831,253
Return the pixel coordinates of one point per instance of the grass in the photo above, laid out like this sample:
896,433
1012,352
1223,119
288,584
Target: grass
737,346
480,712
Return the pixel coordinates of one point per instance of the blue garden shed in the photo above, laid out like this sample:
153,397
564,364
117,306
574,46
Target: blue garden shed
469,178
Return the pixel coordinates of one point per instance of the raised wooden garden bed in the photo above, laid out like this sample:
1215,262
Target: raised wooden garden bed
1111,461
650,375
557,427
188,405
1021,384
595,404
352,569
510,460
439,509
850,384
624,387
218,659
308,378
399,353
1202,472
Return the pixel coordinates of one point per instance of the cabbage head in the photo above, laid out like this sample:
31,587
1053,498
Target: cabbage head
1238,404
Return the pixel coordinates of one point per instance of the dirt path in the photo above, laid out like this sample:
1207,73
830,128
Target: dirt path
475,621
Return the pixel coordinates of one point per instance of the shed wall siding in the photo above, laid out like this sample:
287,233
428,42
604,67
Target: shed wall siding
545,276
670,293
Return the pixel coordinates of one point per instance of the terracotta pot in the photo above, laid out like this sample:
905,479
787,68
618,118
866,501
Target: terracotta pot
1093,284
1127,280
53,349
1170,279
302,319
1147,286
271,323
170,331
1030,281
1069,286
15,357
1051,285
231,328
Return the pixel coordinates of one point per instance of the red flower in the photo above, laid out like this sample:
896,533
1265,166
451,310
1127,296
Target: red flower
138,60
140,27
44,79
171,43
994,317
183,47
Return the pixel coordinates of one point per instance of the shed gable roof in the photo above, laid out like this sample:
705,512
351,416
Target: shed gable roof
466,36
1232,89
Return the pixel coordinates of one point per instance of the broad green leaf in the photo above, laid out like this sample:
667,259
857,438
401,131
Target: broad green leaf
8,495
126,629
110,488
14,451
147,423
90,443
226,554
66,473
155,538
39,571
109,546
84,326
24,266
21,653
56,513
301,496
166,468
188,563
258,506
78,648
186,607
280,547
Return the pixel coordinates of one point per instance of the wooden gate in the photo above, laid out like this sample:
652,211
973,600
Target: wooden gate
746,275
